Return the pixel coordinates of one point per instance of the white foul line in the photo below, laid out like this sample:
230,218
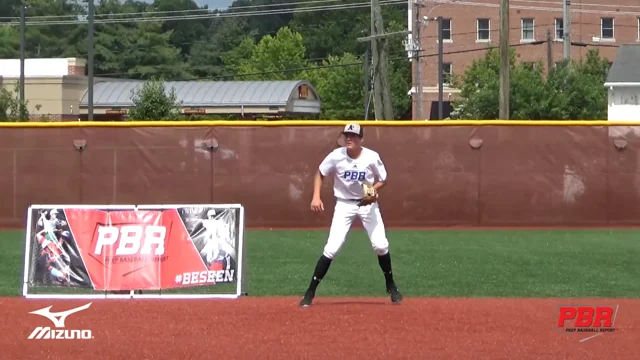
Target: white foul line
590,337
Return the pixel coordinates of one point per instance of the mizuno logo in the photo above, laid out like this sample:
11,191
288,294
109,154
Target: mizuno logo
58,318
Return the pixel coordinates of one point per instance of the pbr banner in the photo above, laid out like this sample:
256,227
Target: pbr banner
133,249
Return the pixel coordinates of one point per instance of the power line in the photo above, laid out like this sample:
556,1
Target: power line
536,8
214,15
358,63
298,3
136,47
229,14
186,11
578,4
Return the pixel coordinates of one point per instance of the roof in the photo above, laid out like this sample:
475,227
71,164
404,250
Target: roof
625,67
54,67
201,93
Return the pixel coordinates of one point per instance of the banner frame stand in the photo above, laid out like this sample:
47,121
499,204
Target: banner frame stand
132,293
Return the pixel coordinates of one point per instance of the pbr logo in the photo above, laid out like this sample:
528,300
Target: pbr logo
59,333
588,321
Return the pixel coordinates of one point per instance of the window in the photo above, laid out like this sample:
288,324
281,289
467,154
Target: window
606,28
528,33
559,29
446,29
484,32
529,65
447,73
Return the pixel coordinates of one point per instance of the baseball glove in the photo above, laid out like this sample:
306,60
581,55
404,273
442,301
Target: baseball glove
370,195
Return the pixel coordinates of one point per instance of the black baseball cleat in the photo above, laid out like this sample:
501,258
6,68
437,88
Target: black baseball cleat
396,296
308,299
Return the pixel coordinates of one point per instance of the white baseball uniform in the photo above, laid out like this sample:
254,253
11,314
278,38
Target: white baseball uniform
348,177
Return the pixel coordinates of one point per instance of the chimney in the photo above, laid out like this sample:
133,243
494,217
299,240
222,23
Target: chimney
76,66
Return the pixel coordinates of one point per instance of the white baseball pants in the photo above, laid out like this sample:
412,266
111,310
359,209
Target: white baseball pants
344,214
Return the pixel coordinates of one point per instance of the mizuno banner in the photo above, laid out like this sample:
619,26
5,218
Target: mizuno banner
133,249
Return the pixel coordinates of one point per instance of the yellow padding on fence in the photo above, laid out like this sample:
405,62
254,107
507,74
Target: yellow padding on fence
245,123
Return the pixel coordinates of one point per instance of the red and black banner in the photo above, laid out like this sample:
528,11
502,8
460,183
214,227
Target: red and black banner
133,249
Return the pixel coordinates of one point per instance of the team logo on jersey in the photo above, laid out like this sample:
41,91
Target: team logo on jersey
354,175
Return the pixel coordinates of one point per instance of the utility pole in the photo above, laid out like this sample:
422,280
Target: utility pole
549,52
504,60
566,28
378,38
380,64
90,52
23,25
367,84
417,55
440,70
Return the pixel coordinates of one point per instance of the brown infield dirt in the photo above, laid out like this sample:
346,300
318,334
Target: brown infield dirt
340,328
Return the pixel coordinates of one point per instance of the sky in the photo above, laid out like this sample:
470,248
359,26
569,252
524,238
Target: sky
215,4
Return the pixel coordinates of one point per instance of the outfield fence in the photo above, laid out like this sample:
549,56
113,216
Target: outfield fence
441,173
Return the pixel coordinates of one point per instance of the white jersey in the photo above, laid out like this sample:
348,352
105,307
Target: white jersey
349,174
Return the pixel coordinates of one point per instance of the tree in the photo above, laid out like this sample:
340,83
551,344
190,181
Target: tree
44,41
265,46
576,91
572,91
399,74
11,109
152,102
136,50
273,58
183,33
339,85
208,56
9,43
479,89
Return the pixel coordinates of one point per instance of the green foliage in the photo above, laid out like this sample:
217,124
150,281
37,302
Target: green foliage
11,108
571,91
272,58
340,86
9,43
152,102
399,74
290,46
576,91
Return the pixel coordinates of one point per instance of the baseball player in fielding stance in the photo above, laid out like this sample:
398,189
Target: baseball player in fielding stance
358,174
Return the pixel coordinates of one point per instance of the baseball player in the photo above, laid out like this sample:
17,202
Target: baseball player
352,167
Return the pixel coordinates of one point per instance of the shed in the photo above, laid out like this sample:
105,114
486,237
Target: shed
241,98
623,84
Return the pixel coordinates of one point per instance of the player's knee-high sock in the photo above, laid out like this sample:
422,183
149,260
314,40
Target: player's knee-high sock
321,270
385,265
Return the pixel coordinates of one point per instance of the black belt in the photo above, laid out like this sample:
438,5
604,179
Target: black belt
352,200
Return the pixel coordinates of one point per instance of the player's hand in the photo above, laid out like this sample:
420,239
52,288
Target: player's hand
317,205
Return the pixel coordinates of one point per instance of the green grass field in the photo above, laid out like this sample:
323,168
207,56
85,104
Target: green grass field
450,263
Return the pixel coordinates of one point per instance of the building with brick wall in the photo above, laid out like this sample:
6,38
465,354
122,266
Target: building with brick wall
58,90
471,26
53,87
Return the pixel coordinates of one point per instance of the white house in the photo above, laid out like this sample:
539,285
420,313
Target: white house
623,84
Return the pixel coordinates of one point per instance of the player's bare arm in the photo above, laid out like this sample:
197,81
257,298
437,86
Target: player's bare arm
316,202
379,185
